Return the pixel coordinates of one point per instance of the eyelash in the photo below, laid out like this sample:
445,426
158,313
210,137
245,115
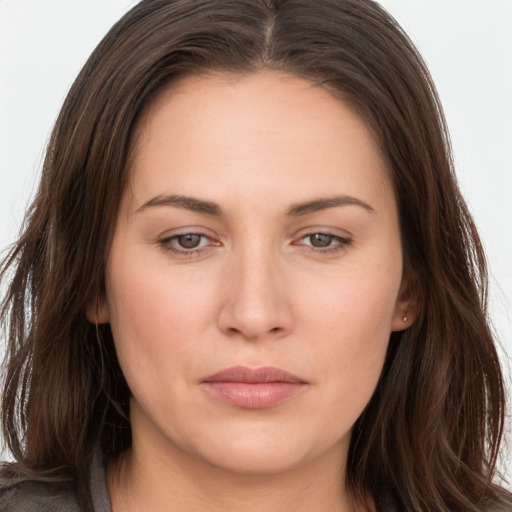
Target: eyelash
166,244
341,244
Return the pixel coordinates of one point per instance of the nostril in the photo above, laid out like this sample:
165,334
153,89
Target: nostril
254,310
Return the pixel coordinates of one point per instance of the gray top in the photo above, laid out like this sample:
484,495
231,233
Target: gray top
36,496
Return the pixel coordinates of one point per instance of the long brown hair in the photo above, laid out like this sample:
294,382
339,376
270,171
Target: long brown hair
432,430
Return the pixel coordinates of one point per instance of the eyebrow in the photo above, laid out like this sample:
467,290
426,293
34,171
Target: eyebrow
324,203
211,208
185,202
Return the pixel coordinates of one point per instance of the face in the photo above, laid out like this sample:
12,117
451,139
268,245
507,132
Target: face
255,273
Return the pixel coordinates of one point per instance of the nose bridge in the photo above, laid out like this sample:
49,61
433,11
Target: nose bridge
256,302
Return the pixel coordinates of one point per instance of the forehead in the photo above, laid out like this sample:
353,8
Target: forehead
267,131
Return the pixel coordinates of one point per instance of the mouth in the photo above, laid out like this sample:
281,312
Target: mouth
257,388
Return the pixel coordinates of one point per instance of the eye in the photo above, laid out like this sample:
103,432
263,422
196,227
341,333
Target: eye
187,244
320,239
323,242
189,241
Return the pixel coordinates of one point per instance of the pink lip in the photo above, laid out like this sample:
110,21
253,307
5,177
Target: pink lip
249,388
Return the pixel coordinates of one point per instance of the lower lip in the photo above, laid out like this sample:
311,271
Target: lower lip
258,395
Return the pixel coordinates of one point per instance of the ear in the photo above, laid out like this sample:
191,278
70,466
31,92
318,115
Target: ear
97,311
406,307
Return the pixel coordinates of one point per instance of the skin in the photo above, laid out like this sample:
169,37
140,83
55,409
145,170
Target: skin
255,292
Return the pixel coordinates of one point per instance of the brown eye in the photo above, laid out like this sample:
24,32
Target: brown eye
189,241
188,244
320,240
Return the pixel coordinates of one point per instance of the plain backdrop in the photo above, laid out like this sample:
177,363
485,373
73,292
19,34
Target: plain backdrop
466,43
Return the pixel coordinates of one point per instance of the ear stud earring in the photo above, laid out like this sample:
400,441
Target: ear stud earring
405,319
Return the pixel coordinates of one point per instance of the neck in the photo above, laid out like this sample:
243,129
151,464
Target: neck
143,481
160,475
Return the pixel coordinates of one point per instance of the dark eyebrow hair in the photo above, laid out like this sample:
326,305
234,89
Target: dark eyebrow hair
324,203
211,208
188,203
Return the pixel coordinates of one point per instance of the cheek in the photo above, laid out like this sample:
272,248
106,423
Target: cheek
348,326
352,301
154,318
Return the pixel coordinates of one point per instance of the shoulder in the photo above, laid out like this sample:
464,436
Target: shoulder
34,494
24,495
387,500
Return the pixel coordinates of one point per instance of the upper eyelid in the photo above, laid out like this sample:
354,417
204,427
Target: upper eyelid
334,232
177,232
168,244
178,235
340,237
309,232
325,232
184,233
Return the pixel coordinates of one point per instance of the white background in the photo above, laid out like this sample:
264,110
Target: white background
466,43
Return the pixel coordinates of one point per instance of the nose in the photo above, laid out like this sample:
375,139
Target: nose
256,299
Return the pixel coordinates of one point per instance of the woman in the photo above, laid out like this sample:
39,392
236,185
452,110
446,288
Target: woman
248,280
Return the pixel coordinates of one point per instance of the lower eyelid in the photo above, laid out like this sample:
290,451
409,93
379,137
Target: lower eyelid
169,244
340,245
326,250
183,253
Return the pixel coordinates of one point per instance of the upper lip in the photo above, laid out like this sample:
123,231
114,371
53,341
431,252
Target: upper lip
254,375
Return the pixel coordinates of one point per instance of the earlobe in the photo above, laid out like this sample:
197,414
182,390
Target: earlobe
402,321
97,312
406,308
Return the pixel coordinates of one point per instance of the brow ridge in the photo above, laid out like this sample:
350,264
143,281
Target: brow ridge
185,202
211,208
324,203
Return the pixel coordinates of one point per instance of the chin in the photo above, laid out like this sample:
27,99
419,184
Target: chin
252,460
268,453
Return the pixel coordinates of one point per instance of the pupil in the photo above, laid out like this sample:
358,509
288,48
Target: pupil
320,240
189,241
